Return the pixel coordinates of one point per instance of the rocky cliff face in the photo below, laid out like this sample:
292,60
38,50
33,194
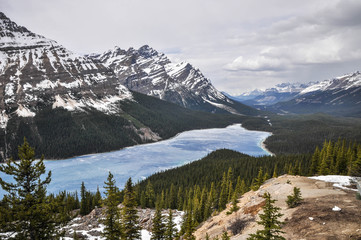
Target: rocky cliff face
149,72
37,71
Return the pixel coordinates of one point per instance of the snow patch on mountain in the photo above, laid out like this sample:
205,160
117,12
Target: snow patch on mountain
23,111
343,83
149,72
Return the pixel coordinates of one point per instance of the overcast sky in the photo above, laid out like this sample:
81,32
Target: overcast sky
238,44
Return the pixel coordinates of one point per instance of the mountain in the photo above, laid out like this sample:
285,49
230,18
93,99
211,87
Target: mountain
338,96
68,104
246,95
281,92
149,72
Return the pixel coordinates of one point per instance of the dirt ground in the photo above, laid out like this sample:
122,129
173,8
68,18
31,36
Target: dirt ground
314,219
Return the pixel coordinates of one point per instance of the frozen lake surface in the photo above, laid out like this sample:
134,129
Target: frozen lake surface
141,161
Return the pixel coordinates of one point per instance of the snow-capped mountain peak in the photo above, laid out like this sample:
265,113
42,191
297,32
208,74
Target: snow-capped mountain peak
343,82
147,71
34,69
15,36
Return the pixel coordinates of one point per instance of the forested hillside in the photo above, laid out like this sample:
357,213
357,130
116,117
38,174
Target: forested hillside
59,133
299,134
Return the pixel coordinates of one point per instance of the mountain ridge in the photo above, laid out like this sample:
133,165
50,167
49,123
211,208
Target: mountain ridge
149,72
68,104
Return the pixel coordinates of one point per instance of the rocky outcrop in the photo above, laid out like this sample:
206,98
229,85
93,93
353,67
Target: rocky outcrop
90,225
313,219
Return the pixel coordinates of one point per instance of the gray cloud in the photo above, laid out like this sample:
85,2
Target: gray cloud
239,45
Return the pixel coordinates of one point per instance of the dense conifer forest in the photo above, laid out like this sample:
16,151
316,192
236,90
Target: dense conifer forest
200,188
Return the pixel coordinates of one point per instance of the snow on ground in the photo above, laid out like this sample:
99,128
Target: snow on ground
146,235
339,181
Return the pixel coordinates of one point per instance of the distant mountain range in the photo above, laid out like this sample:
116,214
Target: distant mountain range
69,104
281,92
338,96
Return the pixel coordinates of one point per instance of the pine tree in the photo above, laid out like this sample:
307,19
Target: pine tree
188,226
97,199
223,194
112,229
275,175
31,212
258,181
131,228
314,162
270,222
158,229
234,207
149,195
170,228
295,199
84,205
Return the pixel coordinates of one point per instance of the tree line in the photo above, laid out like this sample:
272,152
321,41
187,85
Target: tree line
200,188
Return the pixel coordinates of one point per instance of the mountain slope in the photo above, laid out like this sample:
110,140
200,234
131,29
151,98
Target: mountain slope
152,73
280,93
67,104
338,96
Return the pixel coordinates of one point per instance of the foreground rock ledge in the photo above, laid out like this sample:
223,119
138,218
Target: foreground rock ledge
319,199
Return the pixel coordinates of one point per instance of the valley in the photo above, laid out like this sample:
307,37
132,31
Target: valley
129,136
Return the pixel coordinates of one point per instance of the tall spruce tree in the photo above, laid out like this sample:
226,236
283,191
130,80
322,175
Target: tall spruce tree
113,228
32,215
270,221
131,228
170,227
158,229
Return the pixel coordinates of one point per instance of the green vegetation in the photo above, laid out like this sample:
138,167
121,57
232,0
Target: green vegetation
270,221
130,225
89,200
113,227
295,199
31,213
339,157
300,134
232,172
59,133
158,230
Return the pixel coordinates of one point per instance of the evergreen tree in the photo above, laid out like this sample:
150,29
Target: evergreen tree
170,228
149,195
188,226
131,228
32,215
112,229
234,207
97,199
314,162
223,194
295,199
270,222
158,229
258,181
84,202
275,175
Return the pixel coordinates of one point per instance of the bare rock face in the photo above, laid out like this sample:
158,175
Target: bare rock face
149,72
